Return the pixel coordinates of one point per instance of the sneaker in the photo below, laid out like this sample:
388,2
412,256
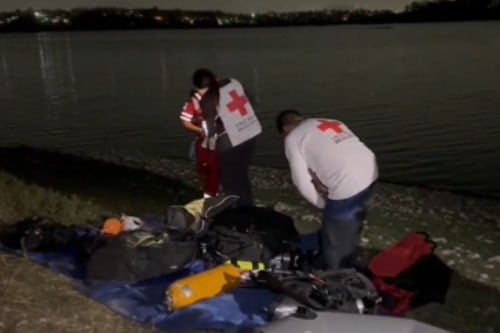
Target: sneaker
215,205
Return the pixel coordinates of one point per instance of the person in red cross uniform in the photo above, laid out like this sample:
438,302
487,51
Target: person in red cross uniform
336,172
205,157
234,160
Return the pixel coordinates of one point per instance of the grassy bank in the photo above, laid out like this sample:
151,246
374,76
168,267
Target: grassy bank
79,190
34,299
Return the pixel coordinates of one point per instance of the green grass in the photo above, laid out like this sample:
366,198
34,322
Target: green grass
18,200
77,190
32,298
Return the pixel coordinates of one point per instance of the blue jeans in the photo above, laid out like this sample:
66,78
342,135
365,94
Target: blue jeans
341,229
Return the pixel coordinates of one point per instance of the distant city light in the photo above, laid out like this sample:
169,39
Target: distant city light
159,18
41,16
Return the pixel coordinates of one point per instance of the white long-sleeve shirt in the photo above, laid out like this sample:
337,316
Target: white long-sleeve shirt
328,148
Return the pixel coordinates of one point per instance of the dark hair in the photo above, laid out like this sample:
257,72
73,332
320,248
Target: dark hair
285,118
204,78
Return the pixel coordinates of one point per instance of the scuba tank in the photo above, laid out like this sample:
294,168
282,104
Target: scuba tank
209,284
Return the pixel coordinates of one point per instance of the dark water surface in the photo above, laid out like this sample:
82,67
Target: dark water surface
425,97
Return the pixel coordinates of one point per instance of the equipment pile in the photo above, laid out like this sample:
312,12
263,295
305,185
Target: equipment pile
254,247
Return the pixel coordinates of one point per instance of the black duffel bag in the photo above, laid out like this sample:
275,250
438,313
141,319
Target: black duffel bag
255,234
39,234
137,256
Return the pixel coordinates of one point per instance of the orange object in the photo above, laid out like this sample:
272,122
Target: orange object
214,282
112,227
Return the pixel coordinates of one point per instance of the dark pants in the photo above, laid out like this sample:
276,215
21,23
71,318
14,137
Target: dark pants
234,166
341,229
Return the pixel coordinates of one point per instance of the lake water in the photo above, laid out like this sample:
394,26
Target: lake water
425,97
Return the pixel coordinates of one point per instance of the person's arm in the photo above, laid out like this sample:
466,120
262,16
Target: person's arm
301,176
191,127
186,117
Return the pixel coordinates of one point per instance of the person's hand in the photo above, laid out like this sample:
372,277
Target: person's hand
322,189
318,185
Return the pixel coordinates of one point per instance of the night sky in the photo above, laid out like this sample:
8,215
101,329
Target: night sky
226,5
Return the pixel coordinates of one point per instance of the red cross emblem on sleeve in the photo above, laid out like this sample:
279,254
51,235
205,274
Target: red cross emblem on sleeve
326,125
237,103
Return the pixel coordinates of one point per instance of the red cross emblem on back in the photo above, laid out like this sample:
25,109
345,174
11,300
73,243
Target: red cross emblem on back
238,103
325,125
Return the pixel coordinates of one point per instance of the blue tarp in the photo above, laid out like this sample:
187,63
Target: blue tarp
143,302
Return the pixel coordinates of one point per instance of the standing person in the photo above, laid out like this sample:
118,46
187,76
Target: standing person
233,125
334,171
206,159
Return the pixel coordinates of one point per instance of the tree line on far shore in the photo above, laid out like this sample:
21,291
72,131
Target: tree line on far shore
154,18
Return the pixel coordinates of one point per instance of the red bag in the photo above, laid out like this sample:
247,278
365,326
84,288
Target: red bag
387,266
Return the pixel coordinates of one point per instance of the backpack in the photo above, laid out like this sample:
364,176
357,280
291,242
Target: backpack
137,255
409,274
253,234
192,219
341,290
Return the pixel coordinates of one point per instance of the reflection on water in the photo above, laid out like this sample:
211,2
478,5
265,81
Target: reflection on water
5,68
163,67
47,51
256,89
57,74
113,91
71,71
424,97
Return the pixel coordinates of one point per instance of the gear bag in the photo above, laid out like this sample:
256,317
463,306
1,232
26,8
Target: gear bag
409,274
137,256
193,218
342,290
38,233
253,234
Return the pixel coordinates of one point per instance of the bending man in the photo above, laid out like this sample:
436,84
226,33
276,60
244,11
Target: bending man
335,172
